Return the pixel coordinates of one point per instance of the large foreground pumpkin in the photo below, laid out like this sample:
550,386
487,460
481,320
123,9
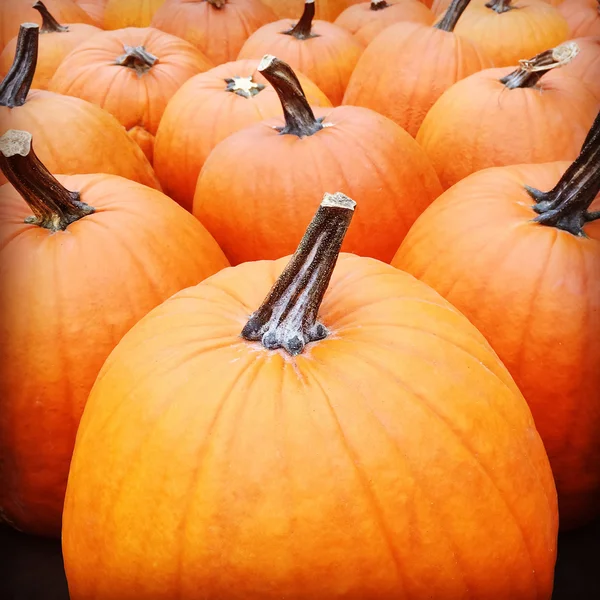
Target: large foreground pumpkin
98,253
529,278
372,447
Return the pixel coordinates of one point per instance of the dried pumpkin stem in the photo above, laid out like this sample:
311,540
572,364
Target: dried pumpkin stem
566,206
53,206
217,3
288,317
379,4
532,70
137,58
500,6
15,86
299,117
245,87
452,15
49,23
302,30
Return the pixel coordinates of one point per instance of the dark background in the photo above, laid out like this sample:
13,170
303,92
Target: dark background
31,568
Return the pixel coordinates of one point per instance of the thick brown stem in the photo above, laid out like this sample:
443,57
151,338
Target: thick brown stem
15,86
303,28
566,206
532,70
299,117
500,6
379,4
217,3
288,317
53,206
245,87
451,16
137,58
49,23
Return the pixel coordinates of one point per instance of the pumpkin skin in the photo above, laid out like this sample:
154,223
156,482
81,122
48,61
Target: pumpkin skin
478,246
583,17
95,9
326,10
136,98
203,113
365,24
120,14
586,66
439,7
218,30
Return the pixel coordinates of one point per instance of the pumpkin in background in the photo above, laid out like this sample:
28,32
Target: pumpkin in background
154,65
587,65
524,266
439,7
265,465
55,42
367,19
218,27
254,189
324,52
327,10
583,17
119,14
498,117
72,135
207,109
408,66
98,253
95,9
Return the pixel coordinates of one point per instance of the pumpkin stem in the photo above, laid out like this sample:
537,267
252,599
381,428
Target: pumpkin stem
217,3
302,29
532,70
450,19
15,86
53,206
566,205
299,117
49,23
137,58
243,86
500,6
288,317
379,4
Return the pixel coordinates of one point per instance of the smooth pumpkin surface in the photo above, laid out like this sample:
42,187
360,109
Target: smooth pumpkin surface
586,67
583,17
119,14
95,9
326,10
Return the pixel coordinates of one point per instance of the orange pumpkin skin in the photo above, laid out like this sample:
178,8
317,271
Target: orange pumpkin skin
439,7
119,14
365,24
586,66
583,17
478,246
407,68
136,98
326,10
218,32
95,9
203,113
480,123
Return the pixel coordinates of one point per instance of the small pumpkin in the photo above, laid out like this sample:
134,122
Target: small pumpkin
95,9
98,253
72,135
495,241
587,66
207,109
497,117
583,17
56,41
217,27
408,66
324,52
120,14
327,10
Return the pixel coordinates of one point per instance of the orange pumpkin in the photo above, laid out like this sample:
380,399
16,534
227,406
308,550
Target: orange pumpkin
367,19
154,65
359,439
264,175
95,9
506,117
56,41
63,311
206,110
529,278
72,135
218,27
119,14
439,7
587,65
583,17
408,66
327,10
326,53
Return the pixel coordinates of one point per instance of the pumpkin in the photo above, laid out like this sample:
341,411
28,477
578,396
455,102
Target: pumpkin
367,19
63,311
324,52
251,193
287,476
217,27
583,17
439,7
56,41
72,135
587,66
95,9
505,117
408,66
119,14
154,65
327,10
495,241
207,109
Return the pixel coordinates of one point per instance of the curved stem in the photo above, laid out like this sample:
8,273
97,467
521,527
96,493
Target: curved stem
288,317
566,206
379,4
532,70
451,16
137,58
15,86
303,28
500,6
217,3
49,23
245,87
53,206
299,117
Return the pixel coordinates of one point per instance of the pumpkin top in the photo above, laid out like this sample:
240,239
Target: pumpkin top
218,4
15,86
452,15
379,4
137,58
245,87
302,30
500,6
49,23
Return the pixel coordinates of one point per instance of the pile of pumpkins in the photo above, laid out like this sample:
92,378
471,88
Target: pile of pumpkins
300,299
